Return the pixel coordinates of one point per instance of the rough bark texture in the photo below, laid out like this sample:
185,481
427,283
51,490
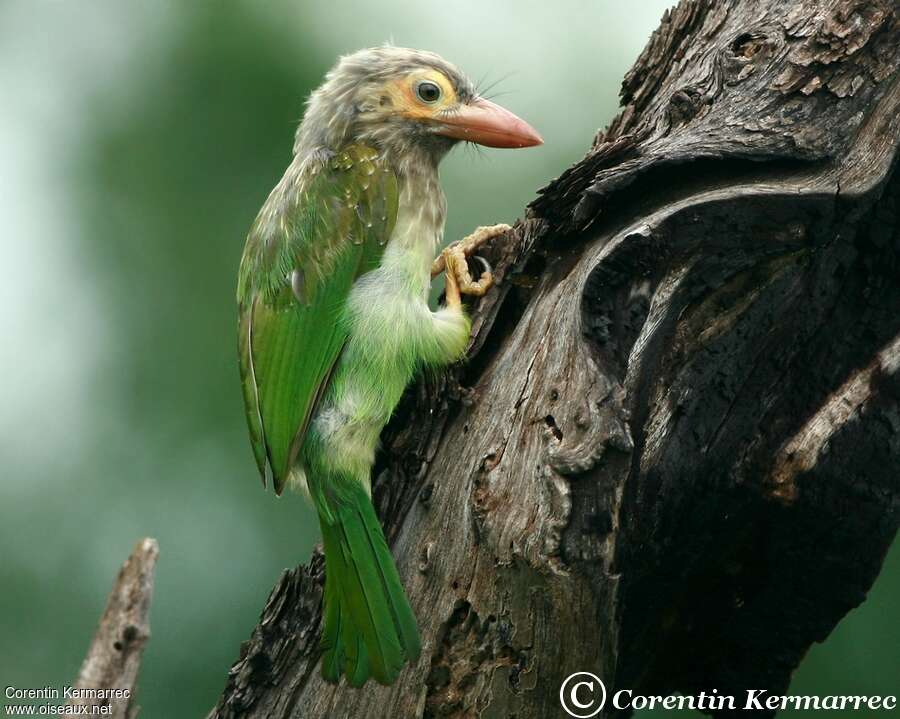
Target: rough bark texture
672,457
114,657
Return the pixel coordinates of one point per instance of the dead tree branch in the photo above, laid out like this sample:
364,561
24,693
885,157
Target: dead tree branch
114,658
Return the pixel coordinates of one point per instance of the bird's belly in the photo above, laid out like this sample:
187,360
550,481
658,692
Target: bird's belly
378,361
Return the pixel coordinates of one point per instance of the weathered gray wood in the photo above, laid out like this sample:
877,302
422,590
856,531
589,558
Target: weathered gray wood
114,657
672,457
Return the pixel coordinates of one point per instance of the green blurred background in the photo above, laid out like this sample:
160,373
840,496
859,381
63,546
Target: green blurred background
137,141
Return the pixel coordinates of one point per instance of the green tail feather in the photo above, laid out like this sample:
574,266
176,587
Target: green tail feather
370,630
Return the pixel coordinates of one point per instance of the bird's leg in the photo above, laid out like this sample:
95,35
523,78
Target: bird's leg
453,259
451,290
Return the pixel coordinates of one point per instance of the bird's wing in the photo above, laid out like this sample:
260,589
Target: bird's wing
299,264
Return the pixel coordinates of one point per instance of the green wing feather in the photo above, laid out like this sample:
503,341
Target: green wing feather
303,254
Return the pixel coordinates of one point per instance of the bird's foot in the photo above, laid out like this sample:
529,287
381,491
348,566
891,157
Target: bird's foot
454,260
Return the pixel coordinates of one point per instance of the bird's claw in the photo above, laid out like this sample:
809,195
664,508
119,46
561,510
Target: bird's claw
457,268
485,265
469,244
454,260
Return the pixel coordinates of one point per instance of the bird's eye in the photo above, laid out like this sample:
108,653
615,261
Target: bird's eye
428,91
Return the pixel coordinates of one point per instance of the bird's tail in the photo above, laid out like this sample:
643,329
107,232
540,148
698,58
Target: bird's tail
370,630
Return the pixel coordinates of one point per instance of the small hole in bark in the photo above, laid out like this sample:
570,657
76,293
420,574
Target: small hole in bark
551,423
117,646
455,585
745,45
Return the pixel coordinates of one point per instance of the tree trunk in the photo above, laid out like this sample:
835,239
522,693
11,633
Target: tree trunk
672,456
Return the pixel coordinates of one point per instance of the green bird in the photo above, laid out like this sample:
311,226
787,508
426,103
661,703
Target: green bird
334,319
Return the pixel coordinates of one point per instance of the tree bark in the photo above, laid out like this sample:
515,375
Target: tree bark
672,456
114,657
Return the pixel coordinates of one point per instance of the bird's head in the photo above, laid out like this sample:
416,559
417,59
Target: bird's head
406,102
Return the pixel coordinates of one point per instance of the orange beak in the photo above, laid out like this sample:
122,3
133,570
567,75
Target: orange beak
486,123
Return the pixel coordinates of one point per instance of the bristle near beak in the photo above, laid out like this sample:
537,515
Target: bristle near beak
486,123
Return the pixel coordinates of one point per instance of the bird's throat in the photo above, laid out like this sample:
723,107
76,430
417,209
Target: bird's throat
419,229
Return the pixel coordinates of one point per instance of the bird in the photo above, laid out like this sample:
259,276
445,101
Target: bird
334,320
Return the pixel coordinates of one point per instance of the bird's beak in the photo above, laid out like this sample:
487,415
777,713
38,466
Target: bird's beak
486,123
